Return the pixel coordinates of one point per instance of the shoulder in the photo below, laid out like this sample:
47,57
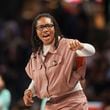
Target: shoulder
33,55
64,45
64,42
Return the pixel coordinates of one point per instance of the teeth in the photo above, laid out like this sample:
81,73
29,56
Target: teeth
45,35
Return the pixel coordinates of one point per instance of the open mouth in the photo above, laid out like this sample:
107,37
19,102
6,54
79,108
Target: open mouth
46,35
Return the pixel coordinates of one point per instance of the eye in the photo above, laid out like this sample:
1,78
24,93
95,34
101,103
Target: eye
47,26
40,27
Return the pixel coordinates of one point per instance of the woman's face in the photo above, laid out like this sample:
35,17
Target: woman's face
45,30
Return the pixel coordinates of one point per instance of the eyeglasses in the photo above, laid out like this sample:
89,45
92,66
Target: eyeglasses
47,26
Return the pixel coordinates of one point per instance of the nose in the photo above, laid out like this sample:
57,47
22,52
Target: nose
45,29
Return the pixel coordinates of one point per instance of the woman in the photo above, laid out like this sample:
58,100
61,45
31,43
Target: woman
56,66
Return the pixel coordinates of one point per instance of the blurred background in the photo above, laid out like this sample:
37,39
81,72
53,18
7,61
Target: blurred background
86,20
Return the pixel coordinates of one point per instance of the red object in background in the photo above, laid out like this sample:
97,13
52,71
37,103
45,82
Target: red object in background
99,1
73,1
80,61
95,106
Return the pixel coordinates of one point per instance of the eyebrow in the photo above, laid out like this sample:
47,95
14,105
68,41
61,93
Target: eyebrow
44,24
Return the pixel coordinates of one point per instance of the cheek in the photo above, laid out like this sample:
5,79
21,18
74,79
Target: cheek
53,31
38,33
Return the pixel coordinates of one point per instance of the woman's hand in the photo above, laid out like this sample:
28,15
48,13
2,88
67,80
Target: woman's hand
75,45
27,98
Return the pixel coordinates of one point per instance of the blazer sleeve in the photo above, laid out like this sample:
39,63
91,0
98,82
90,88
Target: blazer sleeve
81,66
28,68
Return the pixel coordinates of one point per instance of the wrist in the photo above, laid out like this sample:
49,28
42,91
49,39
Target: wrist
81,46
27,91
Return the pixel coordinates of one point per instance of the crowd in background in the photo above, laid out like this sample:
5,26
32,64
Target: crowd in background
87,21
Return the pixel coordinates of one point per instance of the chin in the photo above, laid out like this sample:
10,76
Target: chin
47,43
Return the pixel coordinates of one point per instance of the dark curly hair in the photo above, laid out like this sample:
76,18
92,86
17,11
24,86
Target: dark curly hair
36,42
